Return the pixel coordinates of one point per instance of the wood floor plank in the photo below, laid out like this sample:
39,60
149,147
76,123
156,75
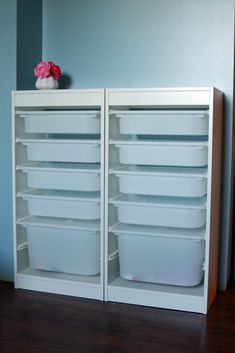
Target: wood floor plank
33,322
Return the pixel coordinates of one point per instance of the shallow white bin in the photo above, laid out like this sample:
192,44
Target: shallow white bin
163,122
63,122
66,204
164,153
62,176
161,211
63,249
164,256
165,181
62,150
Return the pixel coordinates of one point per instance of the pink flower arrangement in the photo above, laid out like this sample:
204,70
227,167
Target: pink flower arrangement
47,69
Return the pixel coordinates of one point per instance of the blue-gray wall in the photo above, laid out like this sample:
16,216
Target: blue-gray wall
148,43
21,49
29,41
124,43
7,83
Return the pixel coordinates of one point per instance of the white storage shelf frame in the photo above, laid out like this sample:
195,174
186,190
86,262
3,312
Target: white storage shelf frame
200,297
25,102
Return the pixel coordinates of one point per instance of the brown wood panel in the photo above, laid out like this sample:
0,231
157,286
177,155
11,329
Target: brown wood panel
216,134
33,322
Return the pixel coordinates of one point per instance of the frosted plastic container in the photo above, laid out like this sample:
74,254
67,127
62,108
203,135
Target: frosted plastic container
163,153
165,181
62,150
173,257
62,176
63,249
66,204
161,211
163,122
63,122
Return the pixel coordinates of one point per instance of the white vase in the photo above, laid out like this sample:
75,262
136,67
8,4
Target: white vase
46,83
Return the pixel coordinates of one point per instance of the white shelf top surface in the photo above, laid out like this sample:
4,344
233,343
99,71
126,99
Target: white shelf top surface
123,284
93,280
59,91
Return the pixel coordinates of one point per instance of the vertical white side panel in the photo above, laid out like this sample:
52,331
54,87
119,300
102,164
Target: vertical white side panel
102,194
14,190
106,194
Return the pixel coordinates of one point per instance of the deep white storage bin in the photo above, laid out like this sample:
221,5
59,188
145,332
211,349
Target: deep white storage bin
62,176
63,250
161,211
165,153
163,122
63,122
164,256
62,150
165,181
66,204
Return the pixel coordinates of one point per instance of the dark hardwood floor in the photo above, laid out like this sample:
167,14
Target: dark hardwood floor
33,322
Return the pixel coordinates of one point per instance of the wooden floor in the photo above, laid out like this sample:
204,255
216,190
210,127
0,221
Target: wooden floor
32,322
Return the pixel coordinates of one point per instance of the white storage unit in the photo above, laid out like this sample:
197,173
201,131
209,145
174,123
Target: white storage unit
165,181
58,184
162,196
117,197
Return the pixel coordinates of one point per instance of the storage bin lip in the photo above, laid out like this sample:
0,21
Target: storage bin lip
200,172
128,113
51,222
58,141
60,167
159,201
34,113
155,231
171,143
63,195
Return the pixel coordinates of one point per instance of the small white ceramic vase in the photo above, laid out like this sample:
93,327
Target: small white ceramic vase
46,83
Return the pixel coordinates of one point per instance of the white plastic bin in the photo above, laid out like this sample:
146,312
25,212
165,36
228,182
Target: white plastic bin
163,122
66,204
61,247
161,211
163,153
62,122
161,256
165,181
62,150
62,176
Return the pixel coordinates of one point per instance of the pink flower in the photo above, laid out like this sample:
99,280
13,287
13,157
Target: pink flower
47,69
42,70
